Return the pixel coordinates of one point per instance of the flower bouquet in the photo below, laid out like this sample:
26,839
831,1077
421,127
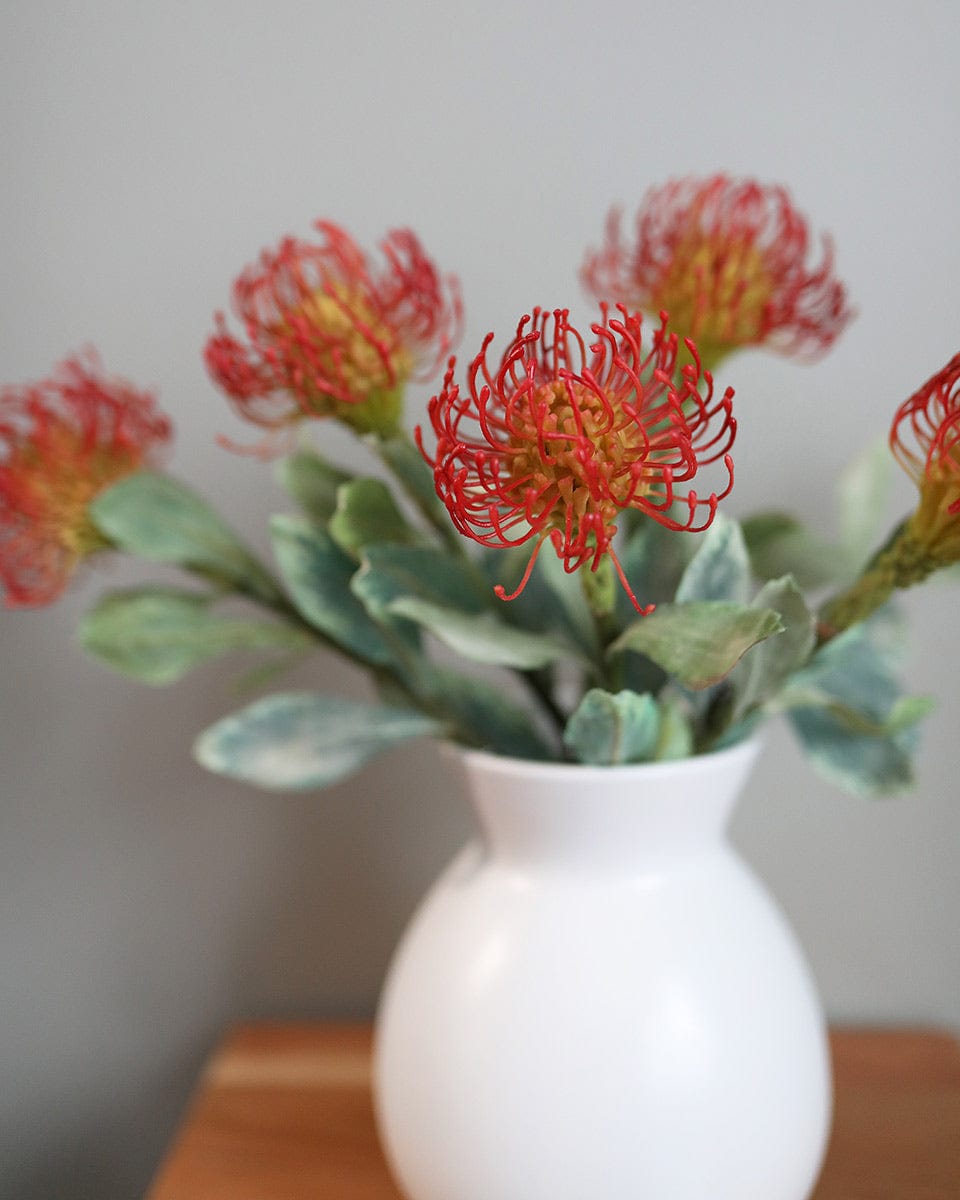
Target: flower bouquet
543,569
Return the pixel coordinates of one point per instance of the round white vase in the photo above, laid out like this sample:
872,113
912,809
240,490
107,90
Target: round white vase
599,1001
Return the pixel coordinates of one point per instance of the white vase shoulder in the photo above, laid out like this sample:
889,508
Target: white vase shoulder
598,998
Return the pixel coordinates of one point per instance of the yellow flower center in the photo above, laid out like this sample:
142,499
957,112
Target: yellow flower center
716,291
548,434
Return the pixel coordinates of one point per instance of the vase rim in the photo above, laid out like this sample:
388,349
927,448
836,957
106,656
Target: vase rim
695,763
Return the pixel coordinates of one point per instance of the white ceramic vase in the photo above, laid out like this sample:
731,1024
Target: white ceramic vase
599,1001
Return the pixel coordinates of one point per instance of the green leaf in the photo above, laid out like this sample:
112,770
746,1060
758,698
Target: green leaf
566,591
296,741
313,483
763,672
608,729
318,574
864,491
698,642
653,559
720,570
779,545
676,733
416,477
391,571
161,520
482,637
157,635
861,763
366,513
480,714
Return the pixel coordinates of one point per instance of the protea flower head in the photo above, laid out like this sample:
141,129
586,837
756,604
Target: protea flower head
63,441
727,259
925,439
560,438
331,334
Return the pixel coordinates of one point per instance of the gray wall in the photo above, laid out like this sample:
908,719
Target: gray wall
148,152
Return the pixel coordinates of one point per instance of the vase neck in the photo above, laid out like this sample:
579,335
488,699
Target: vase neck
552,812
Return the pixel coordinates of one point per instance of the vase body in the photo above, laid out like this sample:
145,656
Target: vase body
598,999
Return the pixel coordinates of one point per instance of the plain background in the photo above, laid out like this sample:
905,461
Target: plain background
148,153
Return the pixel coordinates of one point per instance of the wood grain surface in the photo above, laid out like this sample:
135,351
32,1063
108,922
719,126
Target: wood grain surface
283,1112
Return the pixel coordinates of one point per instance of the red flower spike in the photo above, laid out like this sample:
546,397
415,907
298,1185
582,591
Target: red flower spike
727,260
63,441
328,334
561,438
925,439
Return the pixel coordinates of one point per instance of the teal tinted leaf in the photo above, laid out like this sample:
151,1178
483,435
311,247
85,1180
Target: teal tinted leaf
479,713
864,492
763,672
720,570
313,483
159,519
676,738
482,637
390,571
157,635
779,545
699,642
367,513
608,729
296,741
861,763
568,599
653,560
318,575
416,477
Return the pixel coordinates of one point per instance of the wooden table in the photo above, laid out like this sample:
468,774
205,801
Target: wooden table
282,1112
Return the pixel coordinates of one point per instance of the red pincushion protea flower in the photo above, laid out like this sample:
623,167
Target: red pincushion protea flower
63,441
728,260
561,438
925,438
328,334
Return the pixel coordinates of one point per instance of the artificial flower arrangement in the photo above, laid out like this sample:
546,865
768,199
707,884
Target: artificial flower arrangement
637,621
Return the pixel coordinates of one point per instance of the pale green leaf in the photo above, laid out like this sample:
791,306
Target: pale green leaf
157,635
864,492
367,513
159,519
765,669
699,642
608,729
318,575
482,637
676,738
390,571
297,741
862,763
720,570
313,483
779,545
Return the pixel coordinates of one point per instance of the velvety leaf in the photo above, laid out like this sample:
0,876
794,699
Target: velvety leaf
720,570
653,559
864,491
416,478
157,635
608,729
698,642
296,741
676,738
313,483
391,571
479,712
779,545
569,599
861,763
318,575
765,669
159,519
482,637
367,513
